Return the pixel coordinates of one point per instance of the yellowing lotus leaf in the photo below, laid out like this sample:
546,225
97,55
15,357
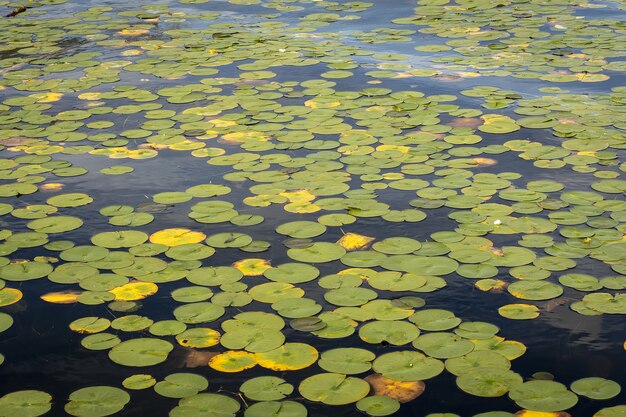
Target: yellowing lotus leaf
302,207
530,413
299,196
354,241
9,296
176,237
289,357
233,361
484,162
51,186
61,297
198,338
48,97
132,32
135,290
252,267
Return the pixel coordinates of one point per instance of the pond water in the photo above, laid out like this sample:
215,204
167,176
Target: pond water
326,208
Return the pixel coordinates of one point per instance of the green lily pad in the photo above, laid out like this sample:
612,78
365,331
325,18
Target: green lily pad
70,200
253,340
407,366
346,360
378,405
141,352
543,396
333,389
292,273
596,388
301,229
397,246
97,401
276,409
119,239
488,382
100,341
55,224
435,320
443,345
139,382
181,385
519,311
535,290
84,254
600,301
207,405
319,252
475,361
266,388
28,403
229,240
201,312
25,271
393,332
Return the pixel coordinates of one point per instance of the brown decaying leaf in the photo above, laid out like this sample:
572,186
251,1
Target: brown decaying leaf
472,122
196,358
17,141
402,391
551,305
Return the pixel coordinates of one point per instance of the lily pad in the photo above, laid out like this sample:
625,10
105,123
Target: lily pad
97,401
407,366
596,388
333,389
141,352
266,388
28,403
544,396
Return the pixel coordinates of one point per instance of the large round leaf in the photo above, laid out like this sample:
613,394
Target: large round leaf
141,352
407,366
333,389
98,401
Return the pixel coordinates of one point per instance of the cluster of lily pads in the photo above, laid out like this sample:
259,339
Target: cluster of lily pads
158,81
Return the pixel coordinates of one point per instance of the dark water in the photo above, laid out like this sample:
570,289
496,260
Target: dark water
43,353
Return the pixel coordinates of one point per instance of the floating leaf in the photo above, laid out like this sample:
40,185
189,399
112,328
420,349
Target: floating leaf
333,389
209,405
543,396
378,405
252,267
97,401
139,382
9,296
180,385
596,388
175,237
28,403
401,391
276,408
289,357
346,360
519,311
134,291
353,241
141,352
233,361
266,388
407,366
488,382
